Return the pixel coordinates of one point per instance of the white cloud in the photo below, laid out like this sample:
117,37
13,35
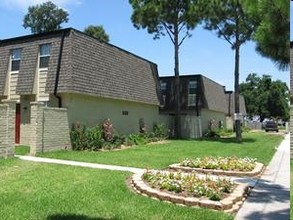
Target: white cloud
24,4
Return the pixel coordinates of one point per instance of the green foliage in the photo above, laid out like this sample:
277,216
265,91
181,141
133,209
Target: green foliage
97,32
210,133
102,137
160,131
165,17
265,97
272,34
83,138
137,139
44,18
94,138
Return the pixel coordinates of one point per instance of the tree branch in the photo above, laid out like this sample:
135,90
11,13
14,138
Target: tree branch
225,37
186,35
169,32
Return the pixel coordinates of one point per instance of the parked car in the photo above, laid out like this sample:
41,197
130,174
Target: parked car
271,126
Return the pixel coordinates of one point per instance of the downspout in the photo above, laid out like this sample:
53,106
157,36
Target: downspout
58,70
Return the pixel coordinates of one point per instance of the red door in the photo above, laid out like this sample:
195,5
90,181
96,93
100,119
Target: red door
17,124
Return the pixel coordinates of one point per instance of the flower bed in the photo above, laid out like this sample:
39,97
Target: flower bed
221,163
231,166
189,184
191,189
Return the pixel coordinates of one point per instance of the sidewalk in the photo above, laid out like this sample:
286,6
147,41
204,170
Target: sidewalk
270,198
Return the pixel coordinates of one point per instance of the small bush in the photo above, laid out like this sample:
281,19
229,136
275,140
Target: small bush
211,134
160,131
94,138
78,137
137,139
83,138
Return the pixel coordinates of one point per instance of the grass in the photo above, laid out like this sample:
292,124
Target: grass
258,145
22,150
34,191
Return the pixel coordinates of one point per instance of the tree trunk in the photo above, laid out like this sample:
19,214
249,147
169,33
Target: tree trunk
236,89
177,84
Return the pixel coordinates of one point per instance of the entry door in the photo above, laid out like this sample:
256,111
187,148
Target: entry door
17,124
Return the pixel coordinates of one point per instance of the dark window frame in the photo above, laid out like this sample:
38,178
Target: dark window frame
192,93
44,56
15,59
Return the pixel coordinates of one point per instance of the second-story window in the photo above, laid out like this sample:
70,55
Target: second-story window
192,87
163,88
15,59
45,51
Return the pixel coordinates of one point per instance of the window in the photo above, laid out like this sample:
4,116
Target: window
192,87
45,50
163,88
15,59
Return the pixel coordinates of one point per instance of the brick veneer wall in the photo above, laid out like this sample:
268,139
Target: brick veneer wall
50,128
7,129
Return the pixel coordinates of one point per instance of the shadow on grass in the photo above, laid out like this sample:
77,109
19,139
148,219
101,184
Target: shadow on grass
76,217
229,140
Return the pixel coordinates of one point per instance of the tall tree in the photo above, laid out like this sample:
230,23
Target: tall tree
233,24
175,18
44,18
265,97
97,32
272,34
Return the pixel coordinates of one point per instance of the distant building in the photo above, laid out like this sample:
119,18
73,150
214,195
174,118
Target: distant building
202,101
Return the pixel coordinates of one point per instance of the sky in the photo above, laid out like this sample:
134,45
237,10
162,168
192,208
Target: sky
204,53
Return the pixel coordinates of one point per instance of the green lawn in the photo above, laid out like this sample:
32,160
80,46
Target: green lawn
57,192
257,145
22,150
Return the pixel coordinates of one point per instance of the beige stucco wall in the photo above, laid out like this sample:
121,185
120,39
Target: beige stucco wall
90,111
207,115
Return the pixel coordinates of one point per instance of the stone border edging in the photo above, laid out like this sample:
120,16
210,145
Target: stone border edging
259,167
230,204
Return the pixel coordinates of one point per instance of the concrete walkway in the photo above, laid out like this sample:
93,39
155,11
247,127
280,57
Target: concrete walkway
270,198
80,164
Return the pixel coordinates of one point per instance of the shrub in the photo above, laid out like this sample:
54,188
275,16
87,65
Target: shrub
78,137
107,130
94,138
83,138
137,139
211,134
118,140
160,131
